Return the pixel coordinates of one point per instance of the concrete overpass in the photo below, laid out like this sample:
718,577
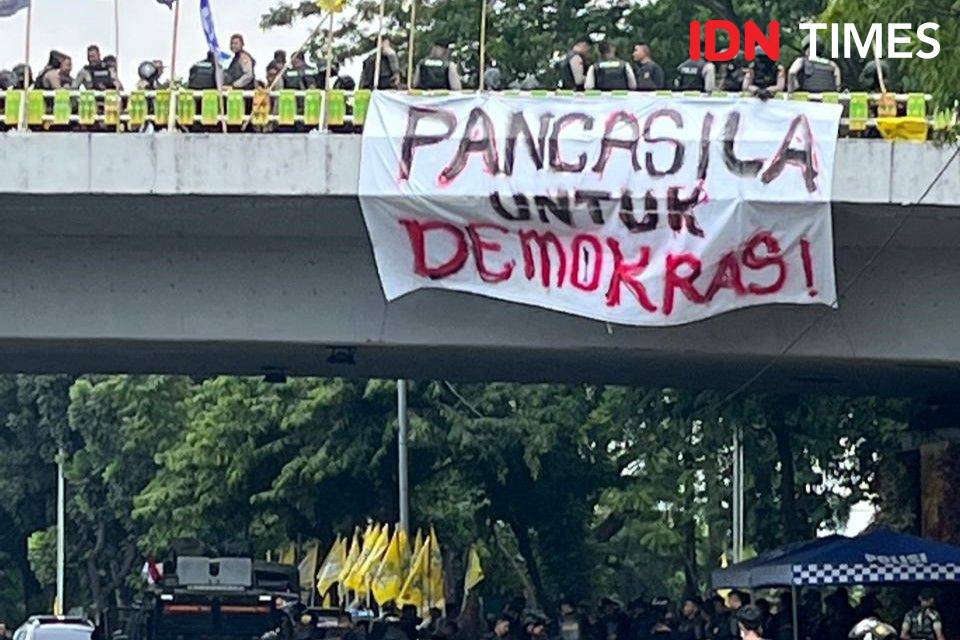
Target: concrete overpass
240,254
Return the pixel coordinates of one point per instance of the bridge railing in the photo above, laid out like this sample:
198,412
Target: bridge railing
336,110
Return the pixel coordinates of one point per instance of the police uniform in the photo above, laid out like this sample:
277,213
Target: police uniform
202,76
766,72
387,71
100,77
920,622
567,80
649,76
690,75
733,76
610,75
235,71
816,76
434,73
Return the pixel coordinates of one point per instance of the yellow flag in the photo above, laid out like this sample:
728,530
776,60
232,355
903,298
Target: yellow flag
474,575
353,553
404,553
388,578
362,573
335,6
289,554
332,565
308,567
435,585
412,592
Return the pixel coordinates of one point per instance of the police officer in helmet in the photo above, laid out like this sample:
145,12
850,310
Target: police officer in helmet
812,73
436,71
764,76
609,73
923,622
298,76
573,67
696,75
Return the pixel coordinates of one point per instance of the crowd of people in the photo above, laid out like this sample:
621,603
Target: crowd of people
578,70
737,615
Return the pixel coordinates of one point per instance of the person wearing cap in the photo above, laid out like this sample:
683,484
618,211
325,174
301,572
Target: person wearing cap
436,71
923,622
750,622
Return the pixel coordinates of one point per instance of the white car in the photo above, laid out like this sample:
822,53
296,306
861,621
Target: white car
54,628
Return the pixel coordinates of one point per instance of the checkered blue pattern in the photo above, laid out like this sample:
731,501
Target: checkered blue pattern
805,574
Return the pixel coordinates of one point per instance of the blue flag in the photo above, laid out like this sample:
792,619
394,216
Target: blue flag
10,7
206,19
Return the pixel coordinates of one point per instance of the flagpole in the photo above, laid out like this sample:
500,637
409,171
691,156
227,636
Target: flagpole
171,125
402,470
27,72
326,80
411,43
379,54
116,33
61,536
483,44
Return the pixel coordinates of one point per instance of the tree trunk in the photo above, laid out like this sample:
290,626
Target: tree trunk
525,545
530,591
792,529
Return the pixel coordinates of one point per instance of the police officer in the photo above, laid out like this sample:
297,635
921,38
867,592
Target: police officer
573,67
56,74
609,73
240,73
923,622
869,79
648,73
203,74
813,73
436,71
298,76
733,72
389,67
764,76
95,75
696,75
149,72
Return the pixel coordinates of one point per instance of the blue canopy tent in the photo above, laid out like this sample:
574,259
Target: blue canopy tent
879,557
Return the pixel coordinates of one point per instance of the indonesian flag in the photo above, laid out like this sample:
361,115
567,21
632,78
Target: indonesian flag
152,572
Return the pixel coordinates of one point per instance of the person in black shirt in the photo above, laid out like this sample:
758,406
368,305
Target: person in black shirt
648,74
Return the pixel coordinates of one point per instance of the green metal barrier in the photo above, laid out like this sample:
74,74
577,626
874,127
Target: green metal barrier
136,110
800,96
161,109
111,108
61,107
287,107
186,108
859,111
11,108
236,108
361,104
831,97
86,108
35,108
312,107
916,106
337,112
210,108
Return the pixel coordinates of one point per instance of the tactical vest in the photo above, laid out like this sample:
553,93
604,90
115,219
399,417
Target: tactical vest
765,72
921,623
235,71
202,76
434,74
817,77
733,77
567,80
294,79
369,67
100,77
644,75
610,75
690,76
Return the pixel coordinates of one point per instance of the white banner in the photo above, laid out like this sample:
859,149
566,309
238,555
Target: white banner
639,210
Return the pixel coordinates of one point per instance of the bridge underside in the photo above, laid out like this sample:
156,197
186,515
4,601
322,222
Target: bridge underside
242,284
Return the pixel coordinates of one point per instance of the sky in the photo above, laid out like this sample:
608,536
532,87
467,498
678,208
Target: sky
146,32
